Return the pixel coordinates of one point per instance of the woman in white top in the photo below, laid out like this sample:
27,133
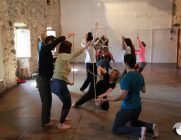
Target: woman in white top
90,62
128,48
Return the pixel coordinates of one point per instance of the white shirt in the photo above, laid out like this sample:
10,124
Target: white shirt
90,53
127,51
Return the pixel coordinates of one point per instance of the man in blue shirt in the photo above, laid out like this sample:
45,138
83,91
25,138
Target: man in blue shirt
131,84
41,42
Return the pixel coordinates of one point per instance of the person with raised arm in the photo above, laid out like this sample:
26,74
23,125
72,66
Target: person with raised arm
131,84
141,52
60,78
45,72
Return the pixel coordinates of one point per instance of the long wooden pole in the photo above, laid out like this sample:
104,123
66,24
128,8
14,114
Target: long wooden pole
73,59
178,46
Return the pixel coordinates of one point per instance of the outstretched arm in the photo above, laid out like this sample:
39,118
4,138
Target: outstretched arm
118,97
54,43
77,53
139,42
96,42
58,40
106,93
83,43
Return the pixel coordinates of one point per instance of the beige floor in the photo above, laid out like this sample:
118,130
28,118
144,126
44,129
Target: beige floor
20,109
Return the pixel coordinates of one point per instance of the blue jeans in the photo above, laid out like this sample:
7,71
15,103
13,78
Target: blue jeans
130,115
104,63
59,88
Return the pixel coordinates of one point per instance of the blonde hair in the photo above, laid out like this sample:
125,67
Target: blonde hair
117,75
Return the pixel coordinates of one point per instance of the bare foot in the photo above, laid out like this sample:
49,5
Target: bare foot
50,123
143,133
63,126
155,131
53,119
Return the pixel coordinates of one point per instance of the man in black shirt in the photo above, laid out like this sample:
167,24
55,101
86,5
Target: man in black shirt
45,73
105,85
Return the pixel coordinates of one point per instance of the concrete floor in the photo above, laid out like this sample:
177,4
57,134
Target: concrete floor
20,109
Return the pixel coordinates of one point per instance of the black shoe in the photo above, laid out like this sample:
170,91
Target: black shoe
81,90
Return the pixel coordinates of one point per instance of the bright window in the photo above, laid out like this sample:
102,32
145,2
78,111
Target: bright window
22,42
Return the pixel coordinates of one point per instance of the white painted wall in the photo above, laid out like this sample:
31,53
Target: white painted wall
119,17
164,49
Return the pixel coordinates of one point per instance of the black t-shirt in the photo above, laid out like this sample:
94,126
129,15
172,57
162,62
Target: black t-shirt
103,85
46,59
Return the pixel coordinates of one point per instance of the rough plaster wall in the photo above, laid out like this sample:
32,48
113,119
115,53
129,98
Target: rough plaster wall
37,16
177,19
9,59
117,17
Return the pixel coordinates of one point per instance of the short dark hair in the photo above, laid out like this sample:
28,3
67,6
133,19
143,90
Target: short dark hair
65,47
128,42
130,60
49,38
89,36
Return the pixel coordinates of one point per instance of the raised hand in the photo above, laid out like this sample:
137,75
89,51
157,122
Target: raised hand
123,44
71,83
96,25
70,34
100,100
123,38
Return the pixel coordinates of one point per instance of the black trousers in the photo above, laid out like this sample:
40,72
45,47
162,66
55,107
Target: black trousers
43,85
91,70
90,94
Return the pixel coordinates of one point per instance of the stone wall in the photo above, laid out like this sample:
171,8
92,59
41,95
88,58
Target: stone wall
37,15
177,20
